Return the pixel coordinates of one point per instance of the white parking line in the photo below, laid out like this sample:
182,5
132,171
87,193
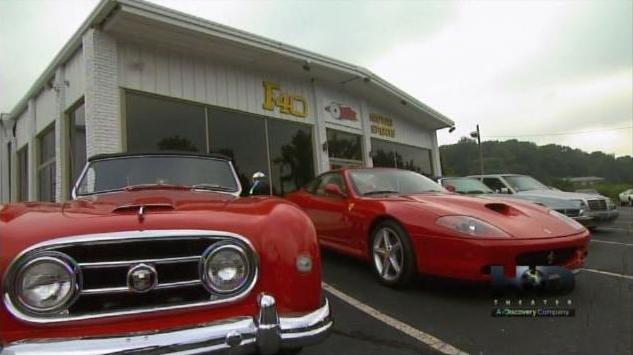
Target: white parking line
610,242
419,335
629,277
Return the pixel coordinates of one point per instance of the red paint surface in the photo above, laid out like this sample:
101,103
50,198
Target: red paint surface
345,224
278,230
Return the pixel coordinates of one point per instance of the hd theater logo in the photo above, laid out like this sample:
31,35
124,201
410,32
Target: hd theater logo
341,112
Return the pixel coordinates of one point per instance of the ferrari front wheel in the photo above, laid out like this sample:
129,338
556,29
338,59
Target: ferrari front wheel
393,259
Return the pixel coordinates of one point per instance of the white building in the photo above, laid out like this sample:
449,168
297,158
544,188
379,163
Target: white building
140,77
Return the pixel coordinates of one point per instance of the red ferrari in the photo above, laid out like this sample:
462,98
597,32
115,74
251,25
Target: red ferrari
404,223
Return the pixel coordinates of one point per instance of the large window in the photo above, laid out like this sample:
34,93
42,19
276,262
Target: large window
290,155
46,179
77,142
243,139
155,124
285,155
401,156
344,149
23,173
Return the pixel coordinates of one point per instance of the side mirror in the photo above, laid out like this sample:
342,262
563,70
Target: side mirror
258,176
505,190
450,188
258,185
333,189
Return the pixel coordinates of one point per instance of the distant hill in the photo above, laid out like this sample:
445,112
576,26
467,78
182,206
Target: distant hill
548,163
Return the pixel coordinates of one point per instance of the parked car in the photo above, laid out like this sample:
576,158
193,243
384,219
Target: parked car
595,210
158,252
404,223
626,197
473,186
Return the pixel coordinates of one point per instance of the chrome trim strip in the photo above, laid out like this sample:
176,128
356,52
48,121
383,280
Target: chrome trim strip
129,236
236,335
105,290
107,264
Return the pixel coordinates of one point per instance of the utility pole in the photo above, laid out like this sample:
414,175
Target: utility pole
476,134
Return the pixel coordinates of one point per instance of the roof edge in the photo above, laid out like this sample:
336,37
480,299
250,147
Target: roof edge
103,9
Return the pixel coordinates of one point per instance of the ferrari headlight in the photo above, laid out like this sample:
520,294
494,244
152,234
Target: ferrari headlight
46,283
471,226
225,268
570,222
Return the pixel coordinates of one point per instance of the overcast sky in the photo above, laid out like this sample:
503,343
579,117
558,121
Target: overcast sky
544,71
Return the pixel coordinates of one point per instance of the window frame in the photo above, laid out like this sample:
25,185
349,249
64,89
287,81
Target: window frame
41,165
67,178
23,185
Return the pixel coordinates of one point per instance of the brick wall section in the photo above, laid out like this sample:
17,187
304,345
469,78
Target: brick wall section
102,100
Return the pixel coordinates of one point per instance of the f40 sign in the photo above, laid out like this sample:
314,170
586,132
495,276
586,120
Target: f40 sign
287,104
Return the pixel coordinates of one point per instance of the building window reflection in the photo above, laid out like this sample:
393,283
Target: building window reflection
401,156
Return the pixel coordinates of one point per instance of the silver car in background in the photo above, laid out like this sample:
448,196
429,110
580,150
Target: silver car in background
589,209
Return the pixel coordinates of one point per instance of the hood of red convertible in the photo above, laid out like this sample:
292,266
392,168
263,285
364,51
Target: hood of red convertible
517,218
157,199
26,224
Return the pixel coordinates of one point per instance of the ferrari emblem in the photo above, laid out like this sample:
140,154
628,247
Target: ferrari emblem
551,257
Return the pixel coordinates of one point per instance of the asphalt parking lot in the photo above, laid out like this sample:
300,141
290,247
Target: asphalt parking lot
442,316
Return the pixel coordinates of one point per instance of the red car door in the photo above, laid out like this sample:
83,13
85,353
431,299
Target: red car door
329,212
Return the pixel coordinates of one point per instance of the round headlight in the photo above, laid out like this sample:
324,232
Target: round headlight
225,268
46,284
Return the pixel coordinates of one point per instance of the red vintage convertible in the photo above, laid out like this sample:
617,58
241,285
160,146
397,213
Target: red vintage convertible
157,252
405,223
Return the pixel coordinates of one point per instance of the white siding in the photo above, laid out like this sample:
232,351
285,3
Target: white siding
22,130
74,74
406,131
198,79
45,109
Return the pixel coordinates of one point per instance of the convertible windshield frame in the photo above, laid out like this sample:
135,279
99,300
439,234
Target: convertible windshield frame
90,162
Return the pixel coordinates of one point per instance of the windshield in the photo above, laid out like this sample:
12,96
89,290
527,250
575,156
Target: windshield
467,186
524,183
381,181
182,171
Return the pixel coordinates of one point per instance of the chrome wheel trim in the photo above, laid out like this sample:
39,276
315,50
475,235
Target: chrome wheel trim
388,254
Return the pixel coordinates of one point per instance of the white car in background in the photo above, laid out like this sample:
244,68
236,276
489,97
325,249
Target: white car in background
596,210
626,197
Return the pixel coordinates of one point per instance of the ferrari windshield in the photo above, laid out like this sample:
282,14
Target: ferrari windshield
176,171
524,183
383,181
467,185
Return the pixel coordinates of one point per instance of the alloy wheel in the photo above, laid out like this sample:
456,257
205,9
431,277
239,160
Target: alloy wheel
388,254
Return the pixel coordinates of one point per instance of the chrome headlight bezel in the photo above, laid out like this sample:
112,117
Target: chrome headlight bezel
18,271
249,264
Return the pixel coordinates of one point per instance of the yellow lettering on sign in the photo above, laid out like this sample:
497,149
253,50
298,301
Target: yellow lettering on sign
287,104
381,125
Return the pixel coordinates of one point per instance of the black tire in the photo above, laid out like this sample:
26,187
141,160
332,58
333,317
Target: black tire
289,351
405,256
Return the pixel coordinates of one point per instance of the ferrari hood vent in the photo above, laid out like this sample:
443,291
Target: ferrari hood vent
503,209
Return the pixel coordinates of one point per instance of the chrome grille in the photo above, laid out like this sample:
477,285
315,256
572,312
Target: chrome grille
597,204
105,259
570,212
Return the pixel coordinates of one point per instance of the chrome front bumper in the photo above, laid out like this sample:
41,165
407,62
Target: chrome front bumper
267,334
